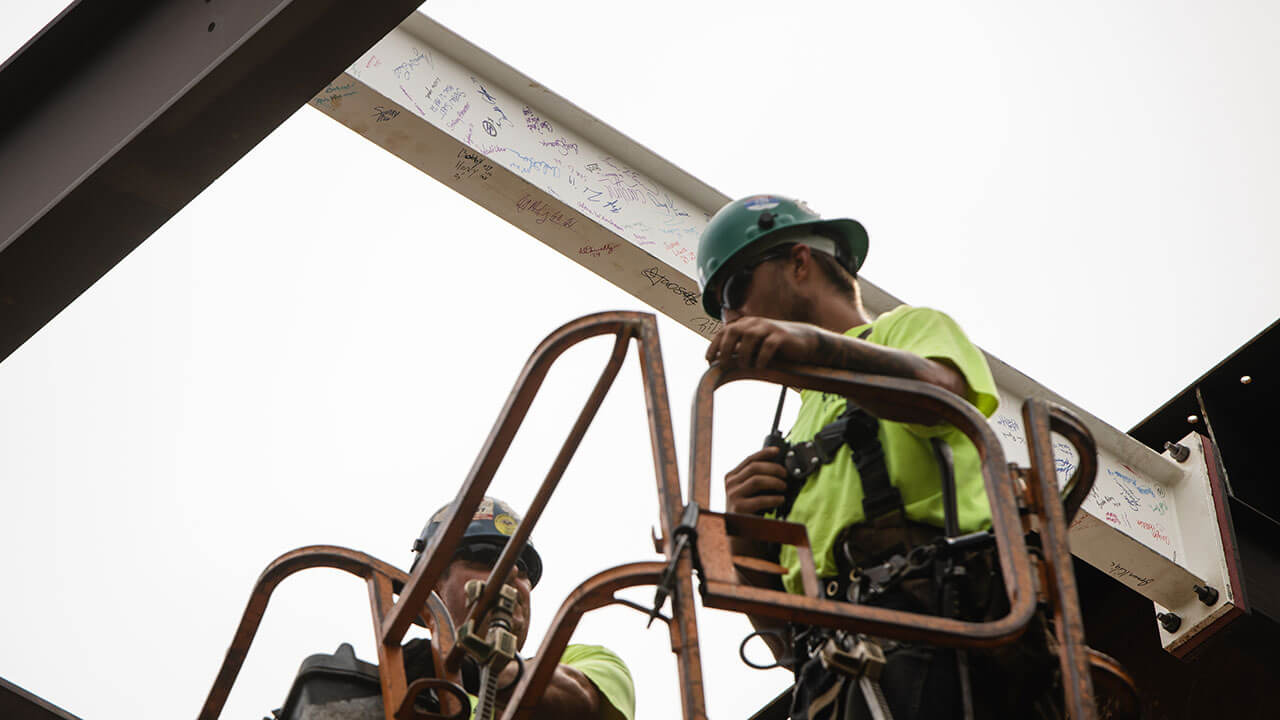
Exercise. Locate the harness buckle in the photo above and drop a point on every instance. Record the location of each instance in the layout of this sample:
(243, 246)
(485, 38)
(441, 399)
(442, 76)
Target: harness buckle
(803, 460)
(853, 655)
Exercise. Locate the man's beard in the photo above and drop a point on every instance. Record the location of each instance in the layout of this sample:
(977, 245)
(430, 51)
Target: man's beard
(798, 308)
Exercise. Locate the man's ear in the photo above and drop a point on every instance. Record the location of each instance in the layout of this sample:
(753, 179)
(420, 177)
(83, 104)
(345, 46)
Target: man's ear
(801, 265)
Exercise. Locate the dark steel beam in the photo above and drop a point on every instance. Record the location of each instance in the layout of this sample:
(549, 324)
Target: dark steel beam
(121, 111)
(18, 704)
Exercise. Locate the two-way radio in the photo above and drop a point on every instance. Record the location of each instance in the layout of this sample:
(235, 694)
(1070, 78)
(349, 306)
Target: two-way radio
(776, 439)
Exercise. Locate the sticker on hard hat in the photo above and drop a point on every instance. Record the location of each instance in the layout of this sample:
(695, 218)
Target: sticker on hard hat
(485, 511)
(505, 524)
(761, 202)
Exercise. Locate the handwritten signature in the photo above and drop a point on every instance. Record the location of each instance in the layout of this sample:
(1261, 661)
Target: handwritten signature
(531, 165)
(1122, 572)
(404, 70)
(605, 249)
(706, 326)
(483, 92)
(335, 93)
(535, 123)
(472, 164)
(681, 252)
(1156, 530)
(1132, 481)
(561, 145)
(656, 278)
(1129, 497)
(544, 212)
(384, 114)
(600, 216)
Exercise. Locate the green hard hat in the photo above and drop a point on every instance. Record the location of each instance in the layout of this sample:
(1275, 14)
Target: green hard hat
(760, 222)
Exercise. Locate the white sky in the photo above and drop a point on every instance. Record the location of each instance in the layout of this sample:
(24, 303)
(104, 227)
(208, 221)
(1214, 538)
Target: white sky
(314, 349)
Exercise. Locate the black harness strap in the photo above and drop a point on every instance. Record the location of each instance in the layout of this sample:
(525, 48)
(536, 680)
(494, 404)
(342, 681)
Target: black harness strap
(860, 430)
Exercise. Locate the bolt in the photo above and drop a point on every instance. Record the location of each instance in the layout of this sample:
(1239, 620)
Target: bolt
(1177, 452)
(1245, 379)
(1207, 594)
(1169, 621)
(1193, 419)
(419, 545)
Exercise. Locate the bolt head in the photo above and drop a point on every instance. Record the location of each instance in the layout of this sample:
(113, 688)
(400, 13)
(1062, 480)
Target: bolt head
(1193, 419)
(1245, 379)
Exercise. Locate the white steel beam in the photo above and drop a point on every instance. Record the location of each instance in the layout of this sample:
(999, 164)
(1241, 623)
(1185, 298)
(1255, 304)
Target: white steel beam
(546, 166)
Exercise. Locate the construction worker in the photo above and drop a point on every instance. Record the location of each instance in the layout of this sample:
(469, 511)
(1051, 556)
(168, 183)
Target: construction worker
(784, 282)
(590, 682)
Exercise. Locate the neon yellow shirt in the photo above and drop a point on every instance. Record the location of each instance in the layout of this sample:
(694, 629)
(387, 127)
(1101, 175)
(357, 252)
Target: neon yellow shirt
(609, 674)
(831, 499)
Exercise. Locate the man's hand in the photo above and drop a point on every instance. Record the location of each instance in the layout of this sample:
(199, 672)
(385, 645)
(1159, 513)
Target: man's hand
(757, 341)
(756, 485)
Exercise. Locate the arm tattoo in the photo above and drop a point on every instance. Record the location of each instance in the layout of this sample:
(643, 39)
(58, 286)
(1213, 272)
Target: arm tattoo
(846, 353)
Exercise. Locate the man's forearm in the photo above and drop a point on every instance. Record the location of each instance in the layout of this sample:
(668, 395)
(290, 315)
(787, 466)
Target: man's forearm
(847, 353)
(569, 695)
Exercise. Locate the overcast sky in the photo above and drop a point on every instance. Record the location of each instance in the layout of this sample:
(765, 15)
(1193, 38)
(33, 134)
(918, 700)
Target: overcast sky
(314, 349)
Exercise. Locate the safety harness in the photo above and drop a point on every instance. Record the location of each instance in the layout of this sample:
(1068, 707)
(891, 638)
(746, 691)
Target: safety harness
(831, 659)
(860, 430)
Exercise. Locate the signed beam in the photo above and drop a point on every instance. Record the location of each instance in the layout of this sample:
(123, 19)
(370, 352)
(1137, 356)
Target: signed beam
(531, 157)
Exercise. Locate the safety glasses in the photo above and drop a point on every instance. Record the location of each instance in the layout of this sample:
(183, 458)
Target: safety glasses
(733, 292)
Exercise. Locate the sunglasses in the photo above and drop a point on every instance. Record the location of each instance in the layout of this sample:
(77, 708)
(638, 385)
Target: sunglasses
(733, 293)
(488, 555)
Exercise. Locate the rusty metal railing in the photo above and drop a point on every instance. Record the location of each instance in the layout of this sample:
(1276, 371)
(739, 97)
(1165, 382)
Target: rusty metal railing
(393, 616)
(1026, 576)
(1023, 576)
(382, 579)
(722, 588)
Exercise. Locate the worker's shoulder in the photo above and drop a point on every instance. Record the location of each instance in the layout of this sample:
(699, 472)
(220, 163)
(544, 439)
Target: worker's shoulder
(578, 654)
(910, 315)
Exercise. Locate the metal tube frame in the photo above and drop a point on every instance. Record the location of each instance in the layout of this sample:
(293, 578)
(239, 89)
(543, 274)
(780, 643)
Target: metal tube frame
(720, 587)
(381, 577)
(393, 617)
(1073, 654)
